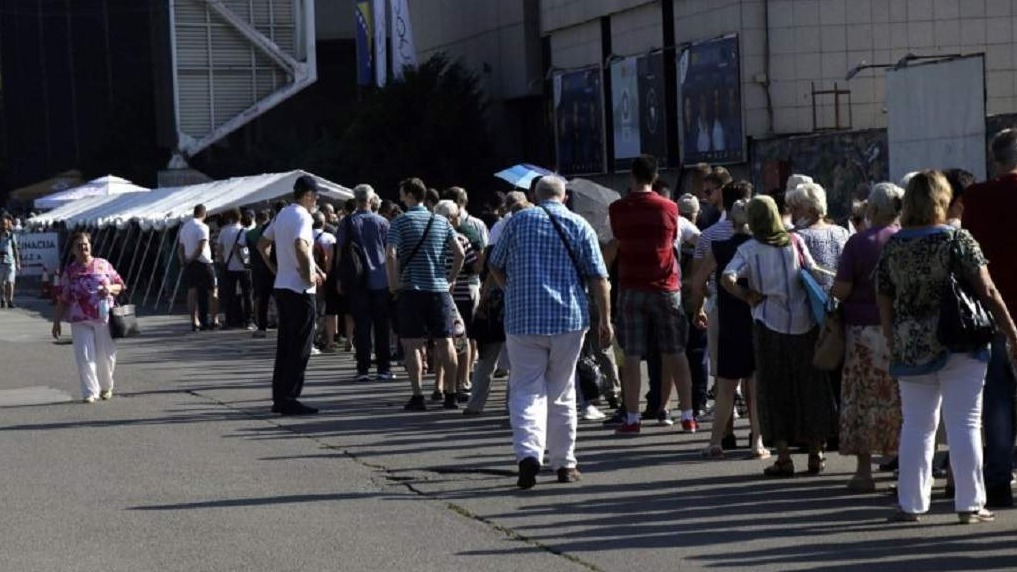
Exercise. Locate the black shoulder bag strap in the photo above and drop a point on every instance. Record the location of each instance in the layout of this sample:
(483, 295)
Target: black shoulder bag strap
(565, 242)
(234, 249)
(404, 266)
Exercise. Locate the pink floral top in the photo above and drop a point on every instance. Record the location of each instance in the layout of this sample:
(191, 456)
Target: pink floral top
(79, 289)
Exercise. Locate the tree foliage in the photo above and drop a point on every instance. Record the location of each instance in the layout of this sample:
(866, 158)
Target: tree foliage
(431, 125)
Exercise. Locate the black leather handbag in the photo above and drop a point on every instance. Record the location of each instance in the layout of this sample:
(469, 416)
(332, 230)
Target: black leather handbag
(123, 322)
(965, 325)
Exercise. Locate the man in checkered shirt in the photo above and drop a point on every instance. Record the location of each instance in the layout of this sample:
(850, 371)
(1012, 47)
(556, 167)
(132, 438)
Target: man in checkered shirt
(544, 259)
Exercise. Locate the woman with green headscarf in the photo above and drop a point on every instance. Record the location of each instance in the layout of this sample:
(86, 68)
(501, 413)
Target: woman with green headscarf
(796, 402)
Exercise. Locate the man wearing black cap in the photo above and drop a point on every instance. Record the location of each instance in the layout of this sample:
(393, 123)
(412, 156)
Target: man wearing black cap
(296, 280)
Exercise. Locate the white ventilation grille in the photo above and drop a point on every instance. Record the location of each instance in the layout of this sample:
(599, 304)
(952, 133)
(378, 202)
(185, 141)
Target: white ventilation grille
(234, 60)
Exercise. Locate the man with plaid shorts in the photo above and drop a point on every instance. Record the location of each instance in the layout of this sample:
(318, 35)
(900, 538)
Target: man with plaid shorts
(645, 227)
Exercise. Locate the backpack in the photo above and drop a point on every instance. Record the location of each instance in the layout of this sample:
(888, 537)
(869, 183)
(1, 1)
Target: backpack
(352, 264)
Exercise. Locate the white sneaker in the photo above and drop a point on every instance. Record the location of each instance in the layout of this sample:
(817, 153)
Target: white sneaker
(90, 399)
(106, 394)
(591, 413)
(315, 351)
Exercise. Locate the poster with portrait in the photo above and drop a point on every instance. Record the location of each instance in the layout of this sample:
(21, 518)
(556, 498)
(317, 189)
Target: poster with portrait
(625, 107)
(652, 111)
(710, 102)
(579, 121)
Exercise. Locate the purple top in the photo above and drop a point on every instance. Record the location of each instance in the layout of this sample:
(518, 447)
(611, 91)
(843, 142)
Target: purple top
(858, 266)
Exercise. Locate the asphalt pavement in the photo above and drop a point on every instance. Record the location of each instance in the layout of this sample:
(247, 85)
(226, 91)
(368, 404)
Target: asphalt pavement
(186, 469)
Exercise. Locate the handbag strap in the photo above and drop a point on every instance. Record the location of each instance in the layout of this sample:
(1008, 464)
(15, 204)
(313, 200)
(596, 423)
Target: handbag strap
(234, 249)
(564, 241)
(420, 243)
(797, 247)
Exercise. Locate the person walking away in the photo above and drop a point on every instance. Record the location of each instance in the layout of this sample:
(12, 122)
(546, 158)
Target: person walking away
(364, 234)
(645, 227)
(870, 416)
(296, 280)
(419, 244)
(910, 278)
(10, 262)
(235, 257)
(86, 292)
(544, 259)
(195, 254)
(986, 208)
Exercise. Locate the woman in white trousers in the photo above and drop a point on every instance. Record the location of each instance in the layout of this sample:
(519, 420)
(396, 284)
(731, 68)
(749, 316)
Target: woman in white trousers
(910, 277)
(86, 294)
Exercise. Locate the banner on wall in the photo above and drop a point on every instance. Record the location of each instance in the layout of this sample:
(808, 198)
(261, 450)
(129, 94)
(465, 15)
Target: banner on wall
(625, 107)
(365, 43)
(652, 111)
(579, 122)
(710, 100)
(379, 16)
(39, 251)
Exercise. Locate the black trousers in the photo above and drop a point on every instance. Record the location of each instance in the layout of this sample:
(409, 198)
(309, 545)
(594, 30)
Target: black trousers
(293, 348)
(370, 309)
(237, 306)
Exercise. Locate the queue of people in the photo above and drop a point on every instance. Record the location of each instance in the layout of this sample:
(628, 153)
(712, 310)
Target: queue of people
(718, 284)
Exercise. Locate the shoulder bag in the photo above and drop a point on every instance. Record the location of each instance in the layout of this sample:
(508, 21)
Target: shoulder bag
(831, 344)
(817, 295)
(352, 263)
(964, 323)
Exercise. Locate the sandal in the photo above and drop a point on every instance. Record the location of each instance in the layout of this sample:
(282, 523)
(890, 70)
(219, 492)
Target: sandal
(763, 453)
(784, 469)
(817, 463)
(712, 452)
(904, 517)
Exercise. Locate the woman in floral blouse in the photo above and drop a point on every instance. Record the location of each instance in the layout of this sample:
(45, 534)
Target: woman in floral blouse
(910, 276)
(89, 284)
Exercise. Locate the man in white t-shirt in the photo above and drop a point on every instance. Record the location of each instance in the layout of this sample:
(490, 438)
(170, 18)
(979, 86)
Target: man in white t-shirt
(195, 256)
(234, 256)
(296, 281)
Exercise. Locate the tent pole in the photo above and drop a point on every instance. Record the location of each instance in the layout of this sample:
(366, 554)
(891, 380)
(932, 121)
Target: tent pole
(176, 288)
(127, 240)
(155, 266)
(104, 243)
(134, 261)
(169, 262)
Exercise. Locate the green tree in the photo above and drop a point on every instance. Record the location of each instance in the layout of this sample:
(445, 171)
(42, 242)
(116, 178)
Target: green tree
(431, 125)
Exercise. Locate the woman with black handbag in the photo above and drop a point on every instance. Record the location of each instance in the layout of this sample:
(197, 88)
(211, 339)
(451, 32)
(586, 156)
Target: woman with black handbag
(937, 302)
(86, 294)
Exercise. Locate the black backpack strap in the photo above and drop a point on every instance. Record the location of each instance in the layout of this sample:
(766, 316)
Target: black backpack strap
(416, 249)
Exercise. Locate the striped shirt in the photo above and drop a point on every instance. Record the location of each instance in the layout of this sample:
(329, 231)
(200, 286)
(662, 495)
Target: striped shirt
(426, 271)
(773, 272)
(544, 293)
(468, 280)
(723, 230)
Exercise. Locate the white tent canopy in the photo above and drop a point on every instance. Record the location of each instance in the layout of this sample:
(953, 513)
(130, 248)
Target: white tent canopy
(101, 187)
(166, 207)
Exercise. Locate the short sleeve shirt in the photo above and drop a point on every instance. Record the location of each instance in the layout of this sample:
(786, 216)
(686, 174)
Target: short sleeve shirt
(645, 225)
(545, 294)
(857, 267)
(913, 270)
(426, 270)
(79, 287)
(988, 209)
(231, 239)
(371, 232)
(291, 224)
(191, 234)
(773, 272)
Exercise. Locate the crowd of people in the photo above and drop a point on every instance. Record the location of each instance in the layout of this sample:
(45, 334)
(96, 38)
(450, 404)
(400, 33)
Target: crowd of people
(721, 283)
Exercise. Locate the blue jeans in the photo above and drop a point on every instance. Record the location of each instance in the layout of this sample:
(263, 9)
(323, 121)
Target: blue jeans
(999, 417)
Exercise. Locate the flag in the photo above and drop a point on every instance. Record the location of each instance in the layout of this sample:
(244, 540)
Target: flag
(404, 54)
(380, 43)
(365, 43)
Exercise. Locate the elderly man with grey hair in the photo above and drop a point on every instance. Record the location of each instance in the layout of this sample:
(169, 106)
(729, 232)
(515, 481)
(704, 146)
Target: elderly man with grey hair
(987, 206)
(473, 227)
(545, 260)
(364, 234)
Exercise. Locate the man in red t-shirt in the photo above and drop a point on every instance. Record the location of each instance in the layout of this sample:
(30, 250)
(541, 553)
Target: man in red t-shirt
(988, 207)
(645, 227)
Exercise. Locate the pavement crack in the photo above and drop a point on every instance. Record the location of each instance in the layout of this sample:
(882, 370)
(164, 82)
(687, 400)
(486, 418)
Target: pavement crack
(409, 482)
